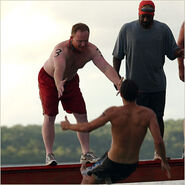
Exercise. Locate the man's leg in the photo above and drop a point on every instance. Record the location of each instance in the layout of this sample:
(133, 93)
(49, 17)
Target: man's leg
(157, 104)
(86, 178)
(48, 134)
(161, 125)
(89, 180)
(82, 136)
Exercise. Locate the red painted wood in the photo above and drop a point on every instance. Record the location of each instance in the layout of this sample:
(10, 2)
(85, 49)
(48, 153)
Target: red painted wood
(70, 173)
(151, 171)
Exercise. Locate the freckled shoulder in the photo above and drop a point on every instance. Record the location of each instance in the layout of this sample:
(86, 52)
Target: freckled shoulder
(92, 47)
(94, 50)
(62, 47)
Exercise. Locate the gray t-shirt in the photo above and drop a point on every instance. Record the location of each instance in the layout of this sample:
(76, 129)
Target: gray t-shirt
(145, 51)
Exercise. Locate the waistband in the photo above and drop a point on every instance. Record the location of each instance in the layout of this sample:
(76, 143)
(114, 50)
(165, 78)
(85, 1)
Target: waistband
(43, 71)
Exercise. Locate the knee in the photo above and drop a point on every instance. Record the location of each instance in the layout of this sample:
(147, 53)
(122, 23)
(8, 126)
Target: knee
(49, 119)
(80, 118)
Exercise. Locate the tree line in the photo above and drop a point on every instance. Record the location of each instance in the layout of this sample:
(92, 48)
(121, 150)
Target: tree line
(24, 145)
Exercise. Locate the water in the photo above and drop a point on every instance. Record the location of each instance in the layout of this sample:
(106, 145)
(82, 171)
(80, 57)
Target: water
(176, 182)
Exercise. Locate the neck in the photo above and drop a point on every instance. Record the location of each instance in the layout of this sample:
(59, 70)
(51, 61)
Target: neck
(72, 47)
(147, 26)
(125, 102)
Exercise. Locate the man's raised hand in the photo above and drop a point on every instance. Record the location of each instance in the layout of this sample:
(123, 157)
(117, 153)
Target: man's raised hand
(65, 124)
(119, 85)
(60, 88)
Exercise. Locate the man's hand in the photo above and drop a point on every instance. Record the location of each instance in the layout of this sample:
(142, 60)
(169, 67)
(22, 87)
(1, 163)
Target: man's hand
(179, 52)
(165, 166)
(119, 85)
(65, 124)
(116, 86)
(60, 87)
(181, 68)
(181, 75)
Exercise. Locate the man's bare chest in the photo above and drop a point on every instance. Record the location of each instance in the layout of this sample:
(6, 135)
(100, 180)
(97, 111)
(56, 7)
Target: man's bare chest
(76, 62)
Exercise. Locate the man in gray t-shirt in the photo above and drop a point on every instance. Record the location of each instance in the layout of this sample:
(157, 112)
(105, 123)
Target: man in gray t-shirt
(145, 42)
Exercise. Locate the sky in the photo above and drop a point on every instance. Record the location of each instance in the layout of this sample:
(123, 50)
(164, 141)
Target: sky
(31, 29)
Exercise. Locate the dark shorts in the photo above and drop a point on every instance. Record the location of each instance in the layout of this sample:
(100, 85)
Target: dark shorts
(106, 168)
(72, 99)
(154, 101)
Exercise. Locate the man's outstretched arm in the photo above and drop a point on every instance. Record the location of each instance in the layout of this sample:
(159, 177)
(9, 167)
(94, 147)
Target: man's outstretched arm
(106, 68)
(86, 127)
(159, 143)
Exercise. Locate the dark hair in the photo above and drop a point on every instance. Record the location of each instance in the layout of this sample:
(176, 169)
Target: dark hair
(79, 26)
(129, 90)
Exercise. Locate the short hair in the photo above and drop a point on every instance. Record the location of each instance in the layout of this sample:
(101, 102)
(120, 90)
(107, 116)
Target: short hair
(129, 90)
(79, 26)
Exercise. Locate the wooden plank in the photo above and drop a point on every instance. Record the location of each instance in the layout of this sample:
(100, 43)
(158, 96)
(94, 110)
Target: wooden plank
(151, 171)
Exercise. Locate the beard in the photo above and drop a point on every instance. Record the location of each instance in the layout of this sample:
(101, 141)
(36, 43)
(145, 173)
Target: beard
(146, 25)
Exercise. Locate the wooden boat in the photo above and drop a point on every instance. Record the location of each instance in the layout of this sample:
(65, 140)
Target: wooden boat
(70, 173)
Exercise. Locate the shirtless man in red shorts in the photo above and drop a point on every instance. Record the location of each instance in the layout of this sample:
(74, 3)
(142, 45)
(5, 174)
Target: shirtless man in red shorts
(59, 81)
(129, 126)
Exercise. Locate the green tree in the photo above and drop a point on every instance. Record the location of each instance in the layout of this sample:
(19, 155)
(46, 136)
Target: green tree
(24, 144)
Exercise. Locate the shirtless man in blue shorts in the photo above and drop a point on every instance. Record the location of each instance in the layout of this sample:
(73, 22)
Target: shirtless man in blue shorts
(129, 126)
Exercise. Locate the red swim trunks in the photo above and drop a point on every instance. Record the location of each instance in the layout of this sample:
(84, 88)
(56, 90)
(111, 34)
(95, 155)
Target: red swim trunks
(72, 99)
